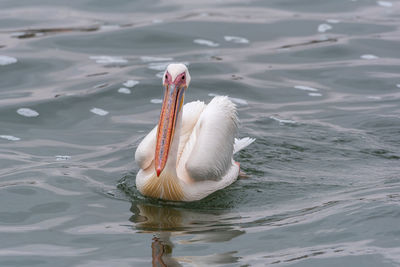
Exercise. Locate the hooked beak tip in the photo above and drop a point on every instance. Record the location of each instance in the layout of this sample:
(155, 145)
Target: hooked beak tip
(158, 170)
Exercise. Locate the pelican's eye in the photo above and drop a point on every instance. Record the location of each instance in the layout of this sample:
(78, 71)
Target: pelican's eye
(183, 77)
(166, 76)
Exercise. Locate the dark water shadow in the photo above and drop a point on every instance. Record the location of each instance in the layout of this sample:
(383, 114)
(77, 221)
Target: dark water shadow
(32, 33)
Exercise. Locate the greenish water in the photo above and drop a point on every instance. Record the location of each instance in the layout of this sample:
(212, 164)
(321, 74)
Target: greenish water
(316, 82)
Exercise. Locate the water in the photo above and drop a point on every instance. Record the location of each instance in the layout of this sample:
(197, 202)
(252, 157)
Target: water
(316, 82)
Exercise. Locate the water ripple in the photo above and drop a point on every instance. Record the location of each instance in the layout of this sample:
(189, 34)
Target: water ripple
(316, 84)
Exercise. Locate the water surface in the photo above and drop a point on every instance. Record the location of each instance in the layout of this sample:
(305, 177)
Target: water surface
(316, 82)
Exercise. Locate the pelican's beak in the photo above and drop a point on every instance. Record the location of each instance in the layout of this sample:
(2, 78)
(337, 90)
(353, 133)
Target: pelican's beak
(172, 104)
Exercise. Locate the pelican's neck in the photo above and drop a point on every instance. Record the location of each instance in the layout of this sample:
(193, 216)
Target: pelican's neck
(171, 164)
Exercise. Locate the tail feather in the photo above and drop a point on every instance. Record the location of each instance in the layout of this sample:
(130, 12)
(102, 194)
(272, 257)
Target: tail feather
(242, 143)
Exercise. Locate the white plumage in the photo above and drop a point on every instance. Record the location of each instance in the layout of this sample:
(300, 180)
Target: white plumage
(200, 159)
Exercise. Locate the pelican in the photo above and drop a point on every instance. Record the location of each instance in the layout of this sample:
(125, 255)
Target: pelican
(189, 154)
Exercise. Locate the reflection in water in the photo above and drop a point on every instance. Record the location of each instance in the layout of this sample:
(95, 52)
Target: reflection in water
(161, 251)
(198, 226)
(154, 218)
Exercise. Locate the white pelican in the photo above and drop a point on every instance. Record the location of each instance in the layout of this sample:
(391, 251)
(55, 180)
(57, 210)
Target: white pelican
(189, 154)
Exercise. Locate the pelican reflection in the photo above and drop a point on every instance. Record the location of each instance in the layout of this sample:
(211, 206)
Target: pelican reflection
(200, 227)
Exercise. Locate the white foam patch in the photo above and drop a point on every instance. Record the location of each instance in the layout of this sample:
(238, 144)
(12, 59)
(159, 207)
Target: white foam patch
(110, 27)
(282, 121)
(147, 59)
(10, 137)
(384, 3)
(109, 60)
(235, 100)
(27, 112)
(398, 85)
(369, 57)
(156, 101)
(124, 90)
(333, 21)
(374, 97)
(205, 42)
(305, 88)
(314, 94)
(130, 83)
(99, 111)
(238, 101)
(236, 39)
(62, 157)
(6, 60)
(155, 21)
(324, 27)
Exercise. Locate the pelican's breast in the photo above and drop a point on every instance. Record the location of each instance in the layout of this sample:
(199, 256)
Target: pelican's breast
(171, 184)
(167, 186)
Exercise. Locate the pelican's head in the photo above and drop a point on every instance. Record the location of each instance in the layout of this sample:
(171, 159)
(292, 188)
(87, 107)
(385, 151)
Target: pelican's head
(176, 73)
(175, 81)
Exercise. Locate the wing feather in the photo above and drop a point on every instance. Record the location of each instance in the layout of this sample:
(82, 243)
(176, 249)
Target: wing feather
(212, 141)
(144, 154)
(242, 143)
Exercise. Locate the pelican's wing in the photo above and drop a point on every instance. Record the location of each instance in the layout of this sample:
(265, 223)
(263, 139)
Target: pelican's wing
(211, 142)
(145, 152)
(190, 116)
